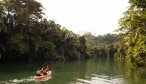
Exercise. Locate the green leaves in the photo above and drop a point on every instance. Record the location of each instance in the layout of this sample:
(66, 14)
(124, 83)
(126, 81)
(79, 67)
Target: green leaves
(133, 25)
(25, 34)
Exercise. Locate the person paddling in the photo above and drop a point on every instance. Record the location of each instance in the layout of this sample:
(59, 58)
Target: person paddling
(38, 73)
(45, 70)
(43, 73)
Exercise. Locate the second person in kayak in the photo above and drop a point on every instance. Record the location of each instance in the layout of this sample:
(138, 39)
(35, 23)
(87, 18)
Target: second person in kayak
(45, 70)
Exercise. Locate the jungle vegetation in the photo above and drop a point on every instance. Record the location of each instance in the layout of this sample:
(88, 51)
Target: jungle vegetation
(108, 45)
(25, 35)
(133, 27)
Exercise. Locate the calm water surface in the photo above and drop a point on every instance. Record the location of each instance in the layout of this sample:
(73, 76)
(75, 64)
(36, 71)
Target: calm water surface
(99, 71)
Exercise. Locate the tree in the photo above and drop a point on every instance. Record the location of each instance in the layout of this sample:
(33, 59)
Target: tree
(133, 25)
(26, 35)
(18, 20)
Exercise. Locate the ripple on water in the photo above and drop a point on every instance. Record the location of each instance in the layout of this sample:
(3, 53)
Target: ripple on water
(101, 79)
(24, 80)
(16, 81)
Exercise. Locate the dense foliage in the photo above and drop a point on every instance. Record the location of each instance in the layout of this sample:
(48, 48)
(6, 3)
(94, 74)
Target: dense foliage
(107, 45)
(133, 26)
(26, 35)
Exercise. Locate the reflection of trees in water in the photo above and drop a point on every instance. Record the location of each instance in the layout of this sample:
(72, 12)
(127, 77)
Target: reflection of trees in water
(135, 75)
(116, 68)
(107, 66)
(72, 71)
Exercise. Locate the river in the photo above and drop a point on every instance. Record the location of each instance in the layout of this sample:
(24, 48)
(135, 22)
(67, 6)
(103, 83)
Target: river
(92, 71)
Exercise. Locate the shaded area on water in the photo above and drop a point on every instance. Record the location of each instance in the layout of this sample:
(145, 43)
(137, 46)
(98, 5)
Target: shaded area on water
(99, 71)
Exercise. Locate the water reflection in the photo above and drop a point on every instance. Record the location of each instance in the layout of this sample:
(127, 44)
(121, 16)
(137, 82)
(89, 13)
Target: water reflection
(103, 72)
(98, 71)
(135, 75)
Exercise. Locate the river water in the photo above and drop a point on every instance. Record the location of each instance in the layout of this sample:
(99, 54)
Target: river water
(92, 71)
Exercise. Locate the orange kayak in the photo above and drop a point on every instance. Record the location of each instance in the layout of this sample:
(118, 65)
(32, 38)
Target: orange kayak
(43, 76)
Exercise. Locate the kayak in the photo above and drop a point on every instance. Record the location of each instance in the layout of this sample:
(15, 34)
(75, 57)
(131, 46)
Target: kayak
(43, 76)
